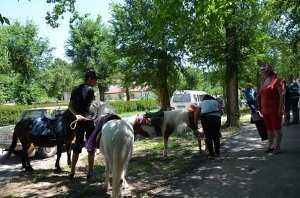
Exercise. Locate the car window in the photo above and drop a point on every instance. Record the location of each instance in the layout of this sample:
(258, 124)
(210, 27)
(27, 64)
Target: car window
(182, 98)
(34, 113)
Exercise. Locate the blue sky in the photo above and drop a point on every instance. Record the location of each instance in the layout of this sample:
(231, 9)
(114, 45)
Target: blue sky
(35, 10)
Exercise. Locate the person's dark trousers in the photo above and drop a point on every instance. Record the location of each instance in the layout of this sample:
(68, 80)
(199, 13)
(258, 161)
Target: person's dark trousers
(211, 128)
(295, 109)
(287, 109)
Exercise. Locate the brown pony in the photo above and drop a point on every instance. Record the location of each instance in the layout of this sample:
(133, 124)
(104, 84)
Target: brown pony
(23, 132)
(167, 122)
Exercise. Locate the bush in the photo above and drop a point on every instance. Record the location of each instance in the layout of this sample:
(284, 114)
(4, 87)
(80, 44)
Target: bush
(10, 114)
(134, 105)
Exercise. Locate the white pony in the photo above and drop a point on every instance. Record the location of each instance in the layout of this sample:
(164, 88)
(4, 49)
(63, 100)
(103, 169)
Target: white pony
(170, 121)
(116, 145)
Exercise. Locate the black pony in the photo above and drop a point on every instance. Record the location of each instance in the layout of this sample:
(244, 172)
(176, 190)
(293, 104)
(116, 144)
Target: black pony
(60, 134)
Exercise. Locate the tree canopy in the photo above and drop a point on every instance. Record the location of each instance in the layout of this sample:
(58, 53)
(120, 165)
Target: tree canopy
(90, 46)
(164, 45)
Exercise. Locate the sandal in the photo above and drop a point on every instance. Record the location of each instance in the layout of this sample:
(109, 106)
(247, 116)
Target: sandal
(276, 151)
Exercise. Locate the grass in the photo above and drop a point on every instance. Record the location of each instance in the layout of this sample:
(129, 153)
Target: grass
(147, 168)
(147, 164)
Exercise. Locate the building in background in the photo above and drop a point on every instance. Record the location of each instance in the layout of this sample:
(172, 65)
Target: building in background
(116, 92)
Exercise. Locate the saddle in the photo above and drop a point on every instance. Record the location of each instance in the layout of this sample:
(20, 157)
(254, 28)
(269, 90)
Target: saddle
(94, 139)
(50, 128)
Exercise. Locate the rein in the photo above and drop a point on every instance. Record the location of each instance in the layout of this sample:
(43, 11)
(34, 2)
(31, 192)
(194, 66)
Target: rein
(73, 124)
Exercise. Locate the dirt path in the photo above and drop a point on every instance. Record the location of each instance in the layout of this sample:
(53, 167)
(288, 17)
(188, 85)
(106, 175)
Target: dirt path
(244, 170)
(44, 182)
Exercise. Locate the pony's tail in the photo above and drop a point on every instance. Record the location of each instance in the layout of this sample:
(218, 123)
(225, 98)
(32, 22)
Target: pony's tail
(11, 149)
(121, 158)
(117, 170)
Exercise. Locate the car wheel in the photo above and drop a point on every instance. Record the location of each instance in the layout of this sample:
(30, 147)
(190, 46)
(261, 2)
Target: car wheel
(46, 152)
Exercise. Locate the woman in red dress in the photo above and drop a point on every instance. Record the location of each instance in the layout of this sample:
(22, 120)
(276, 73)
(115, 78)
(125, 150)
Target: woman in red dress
(271, 105)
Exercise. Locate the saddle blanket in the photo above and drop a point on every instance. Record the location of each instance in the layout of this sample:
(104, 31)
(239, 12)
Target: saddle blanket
(91, 142)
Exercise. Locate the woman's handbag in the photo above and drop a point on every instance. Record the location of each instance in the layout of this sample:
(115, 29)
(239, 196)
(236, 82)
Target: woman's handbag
(260, 125)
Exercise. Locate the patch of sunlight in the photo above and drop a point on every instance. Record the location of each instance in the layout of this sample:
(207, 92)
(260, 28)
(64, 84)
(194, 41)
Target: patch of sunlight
(253, 138)
(204, 168)
(245, 118)
(229, 131)
(196, 177)
(148, 144)
(243, 158)
(239, 149)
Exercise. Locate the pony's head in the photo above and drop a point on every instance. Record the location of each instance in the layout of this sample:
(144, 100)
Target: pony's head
(140, 126)
(193, 117)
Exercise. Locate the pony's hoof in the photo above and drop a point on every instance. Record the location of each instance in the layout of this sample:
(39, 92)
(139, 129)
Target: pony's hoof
(58, 170)
(28, 169)
(71, 175)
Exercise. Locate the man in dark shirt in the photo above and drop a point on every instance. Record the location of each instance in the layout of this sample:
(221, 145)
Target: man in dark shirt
(80, 102)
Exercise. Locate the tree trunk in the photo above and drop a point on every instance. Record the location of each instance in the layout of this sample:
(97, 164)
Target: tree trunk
(164, 97)
(101, 93)
(127, 94)
(232, 62)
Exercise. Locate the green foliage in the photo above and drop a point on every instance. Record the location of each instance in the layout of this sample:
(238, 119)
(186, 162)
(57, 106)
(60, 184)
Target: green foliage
(60, 8)
(288, 13)
(90, 46)
(27, 52)
(134, 105)
(24, 54)
(6, 87)
(146, 36)
(58, 78)
(197, 79)
(10, 114)
(25, 93)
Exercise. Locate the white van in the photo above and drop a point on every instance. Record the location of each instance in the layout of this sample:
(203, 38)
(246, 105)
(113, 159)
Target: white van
(182, 99)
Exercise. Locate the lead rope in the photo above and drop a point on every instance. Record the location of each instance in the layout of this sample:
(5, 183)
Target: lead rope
(73, 124)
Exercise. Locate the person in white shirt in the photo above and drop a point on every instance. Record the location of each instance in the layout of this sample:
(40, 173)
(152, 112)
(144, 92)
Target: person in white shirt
(210, 116)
